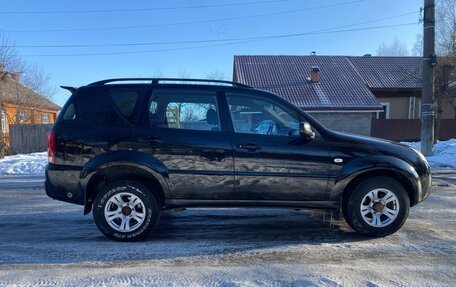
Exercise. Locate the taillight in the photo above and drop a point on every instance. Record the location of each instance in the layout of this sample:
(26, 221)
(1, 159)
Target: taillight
(51, 146)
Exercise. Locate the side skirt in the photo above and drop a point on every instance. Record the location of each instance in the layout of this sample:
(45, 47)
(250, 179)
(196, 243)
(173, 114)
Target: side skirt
(175, 203)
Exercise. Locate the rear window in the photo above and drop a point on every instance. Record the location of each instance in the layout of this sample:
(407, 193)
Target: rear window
(69, 114)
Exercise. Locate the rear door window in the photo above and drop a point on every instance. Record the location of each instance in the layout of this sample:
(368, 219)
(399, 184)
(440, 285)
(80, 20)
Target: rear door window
(189, 110)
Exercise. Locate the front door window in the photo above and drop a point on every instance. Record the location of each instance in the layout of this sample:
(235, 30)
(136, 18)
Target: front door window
(251, 115)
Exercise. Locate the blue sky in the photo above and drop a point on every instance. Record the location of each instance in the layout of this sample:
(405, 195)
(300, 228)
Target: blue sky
(299, 16)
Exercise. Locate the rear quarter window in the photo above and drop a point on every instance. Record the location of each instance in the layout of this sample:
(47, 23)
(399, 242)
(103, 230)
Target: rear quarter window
(126, 102)
(95, 108)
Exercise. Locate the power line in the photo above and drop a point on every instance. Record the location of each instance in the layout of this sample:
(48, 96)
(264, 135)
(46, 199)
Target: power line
(192, 41)
(184, 23)
(144, 9)
(233, 42)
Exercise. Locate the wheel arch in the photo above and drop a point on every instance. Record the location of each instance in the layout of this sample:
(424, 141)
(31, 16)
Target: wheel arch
(126, 165)
(399, 177)
(356, 172)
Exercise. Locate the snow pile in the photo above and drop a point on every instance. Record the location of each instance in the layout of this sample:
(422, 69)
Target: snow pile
(33, 163)
(444, 154)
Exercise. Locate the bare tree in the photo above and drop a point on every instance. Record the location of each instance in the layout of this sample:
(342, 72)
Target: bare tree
(445, 76)
(183, 73)
(22, 85)
(395, 48)
(446, 28)
(38, 81)
(216, 75)
(158, 74)
(9, 59)
(417, 49)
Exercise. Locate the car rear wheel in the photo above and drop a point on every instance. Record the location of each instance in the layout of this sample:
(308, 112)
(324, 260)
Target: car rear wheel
(126, 211)
(378, 206)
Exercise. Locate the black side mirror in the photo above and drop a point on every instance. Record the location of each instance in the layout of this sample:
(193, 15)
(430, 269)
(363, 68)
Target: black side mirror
(305, 130)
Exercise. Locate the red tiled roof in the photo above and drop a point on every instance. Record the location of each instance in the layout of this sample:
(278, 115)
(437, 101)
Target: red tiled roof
(340, 86)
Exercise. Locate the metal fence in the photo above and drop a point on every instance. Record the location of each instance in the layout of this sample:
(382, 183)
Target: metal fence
(409, 130)
(28, 138)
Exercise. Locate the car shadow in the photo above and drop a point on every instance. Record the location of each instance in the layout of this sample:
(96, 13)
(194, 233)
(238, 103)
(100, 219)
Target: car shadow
(68, 237)
(262, 226)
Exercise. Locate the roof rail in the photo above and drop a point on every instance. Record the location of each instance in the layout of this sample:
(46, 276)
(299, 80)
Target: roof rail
(176, 80)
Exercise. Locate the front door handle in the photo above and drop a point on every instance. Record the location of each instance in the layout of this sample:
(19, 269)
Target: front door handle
(248, 147)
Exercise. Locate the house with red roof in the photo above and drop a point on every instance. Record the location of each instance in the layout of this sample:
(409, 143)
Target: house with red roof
(354, 94)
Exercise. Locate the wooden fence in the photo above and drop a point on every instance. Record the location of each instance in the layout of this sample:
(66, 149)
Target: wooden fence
(28, 138)
(409, 130)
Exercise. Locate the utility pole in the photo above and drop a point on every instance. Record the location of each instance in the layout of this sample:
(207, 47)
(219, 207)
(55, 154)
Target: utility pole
(429, 62)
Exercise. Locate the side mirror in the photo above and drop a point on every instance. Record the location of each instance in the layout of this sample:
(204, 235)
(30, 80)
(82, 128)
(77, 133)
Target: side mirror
(305, 130)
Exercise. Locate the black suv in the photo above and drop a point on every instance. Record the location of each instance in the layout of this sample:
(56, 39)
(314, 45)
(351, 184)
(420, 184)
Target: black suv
(130, 148)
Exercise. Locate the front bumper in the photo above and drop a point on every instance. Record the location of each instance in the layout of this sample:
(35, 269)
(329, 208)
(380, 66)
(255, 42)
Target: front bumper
(425, 177)
(62, 183)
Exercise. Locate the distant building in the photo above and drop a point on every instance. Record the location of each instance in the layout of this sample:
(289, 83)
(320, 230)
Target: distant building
(21, 105)
(343, 92)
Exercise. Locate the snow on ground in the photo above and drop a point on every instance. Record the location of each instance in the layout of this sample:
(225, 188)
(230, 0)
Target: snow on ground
(444, 154)
(21, 164)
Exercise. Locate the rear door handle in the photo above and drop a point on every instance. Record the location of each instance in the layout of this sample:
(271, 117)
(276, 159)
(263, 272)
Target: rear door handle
(248, 147)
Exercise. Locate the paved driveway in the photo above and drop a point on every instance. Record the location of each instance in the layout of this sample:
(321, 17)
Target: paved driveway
(45, 242)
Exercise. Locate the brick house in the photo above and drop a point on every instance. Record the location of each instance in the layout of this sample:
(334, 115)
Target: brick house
(21, 105)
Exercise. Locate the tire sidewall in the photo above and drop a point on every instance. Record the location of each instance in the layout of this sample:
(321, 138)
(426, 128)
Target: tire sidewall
(150, 204)
(353, 211)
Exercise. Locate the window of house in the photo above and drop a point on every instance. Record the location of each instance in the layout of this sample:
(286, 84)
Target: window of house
(253, 115)
(22, 117)
(3, 121)
(386, 111)
(419, 109)
(45, 119)
(184, 110)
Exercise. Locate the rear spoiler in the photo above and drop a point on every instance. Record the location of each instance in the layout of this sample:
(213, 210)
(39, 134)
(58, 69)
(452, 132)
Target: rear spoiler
(71, 89)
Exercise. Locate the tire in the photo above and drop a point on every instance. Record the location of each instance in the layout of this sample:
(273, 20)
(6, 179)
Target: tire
(378, 206)
(126, 211)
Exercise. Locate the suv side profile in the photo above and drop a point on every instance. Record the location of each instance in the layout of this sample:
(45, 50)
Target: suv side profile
(130, 148)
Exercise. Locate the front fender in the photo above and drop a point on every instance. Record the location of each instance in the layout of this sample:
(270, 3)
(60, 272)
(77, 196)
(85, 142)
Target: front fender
(375, 165)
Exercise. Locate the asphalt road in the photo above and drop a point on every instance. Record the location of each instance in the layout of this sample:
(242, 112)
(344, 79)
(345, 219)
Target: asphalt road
(46, 243)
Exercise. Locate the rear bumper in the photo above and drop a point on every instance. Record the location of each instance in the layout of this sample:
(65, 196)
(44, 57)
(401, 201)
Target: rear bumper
(62, 183)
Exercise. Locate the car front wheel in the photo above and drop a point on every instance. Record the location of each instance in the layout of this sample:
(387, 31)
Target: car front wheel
(378, 206)
(126, 211)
